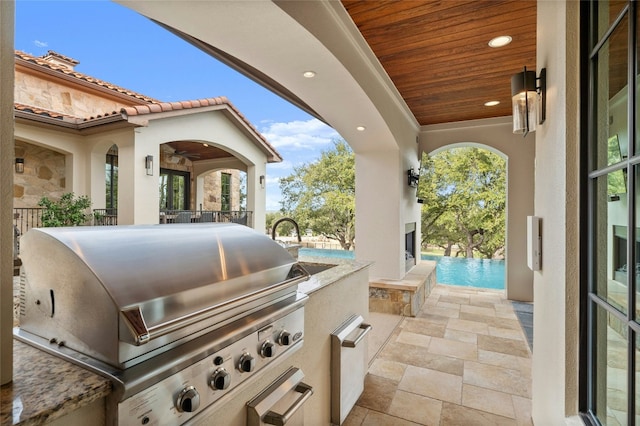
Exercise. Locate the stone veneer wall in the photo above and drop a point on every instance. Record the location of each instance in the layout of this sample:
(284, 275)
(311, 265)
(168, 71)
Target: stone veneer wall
(31, 90)
(44, 174)
(213, 190)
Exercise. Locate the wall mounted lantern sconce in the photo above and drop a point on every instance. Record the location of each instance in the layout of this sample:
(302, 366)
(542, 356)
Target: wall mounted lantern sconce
(529, 100)
(262, 181)
(19, 165)
(412, 178)
(148, 164)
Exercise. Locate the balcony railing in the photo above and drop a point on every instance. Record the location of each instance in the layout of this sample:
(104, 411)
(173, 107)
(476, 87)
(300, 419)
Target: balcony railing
(200, 216)
(25, 218)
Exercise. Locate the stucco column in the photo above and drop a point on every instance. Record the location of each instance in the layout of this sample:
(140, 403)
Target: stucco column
(257, 196)
(138, 199)
(556, 329)
(379, 224)
(6, 190)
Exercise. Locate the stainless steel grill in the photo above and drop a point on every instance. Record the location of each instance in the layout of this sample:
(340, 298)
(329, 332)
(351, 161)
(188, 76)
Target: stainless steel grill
(178, 316)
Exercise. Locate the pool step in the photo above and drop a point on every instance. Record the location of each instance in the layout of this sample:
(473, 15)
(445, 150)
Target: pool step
(405, 296)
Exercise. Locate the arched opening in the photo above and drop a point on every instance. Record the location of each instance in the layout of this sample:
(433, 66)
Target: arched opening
(463, 191)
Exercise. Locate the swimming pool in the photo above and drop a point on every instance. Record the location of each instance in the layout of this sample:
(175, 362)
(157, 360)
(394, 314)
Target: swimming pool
(460, 271)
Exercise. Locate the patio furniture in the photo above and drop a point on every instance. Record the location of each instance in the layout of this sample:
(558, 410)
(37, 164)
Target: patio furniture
(183, 217)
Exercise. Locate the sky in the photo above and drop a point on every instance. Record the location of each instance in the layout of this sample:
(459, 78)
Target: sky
(117, 45)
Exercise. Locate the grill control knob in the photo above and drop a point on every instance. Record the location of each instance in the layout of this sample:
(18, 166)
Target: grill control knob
(220, 379)
(268, 349)
(246, 363)
(188, 400)
(284, 338)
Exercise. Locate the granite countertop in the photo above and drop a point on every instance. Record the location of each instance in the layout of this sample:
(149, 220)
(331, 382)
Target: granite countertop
(342, 268)
(46, 387)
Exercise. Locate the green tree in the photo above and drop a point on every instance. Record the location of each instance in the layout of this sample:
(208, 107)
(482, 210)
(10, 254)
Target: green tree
(464, 193)
(321, 195)
(68, 211)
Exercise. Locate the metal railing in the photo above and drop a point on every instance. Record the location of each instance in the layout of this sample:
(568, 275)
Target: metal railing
(25, 218)
(200, 216)
(105, 217)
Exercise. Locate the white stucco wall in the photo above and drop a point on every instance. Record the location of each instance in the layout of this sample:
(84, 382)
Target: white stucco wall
(556, 286)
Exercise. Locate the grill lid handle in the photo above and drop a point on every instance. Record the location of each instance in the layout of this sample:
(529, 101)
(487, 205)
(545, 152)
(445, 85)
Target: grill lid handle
(135, 321)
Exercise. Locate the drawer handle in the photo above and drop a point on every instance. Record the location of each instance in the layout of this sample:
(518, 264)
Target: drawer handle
(353, 343)
(277, 419)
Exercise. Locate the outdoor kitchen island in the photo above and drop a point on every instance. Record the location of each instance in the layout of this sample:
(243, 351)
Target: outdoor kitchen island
(70, 395)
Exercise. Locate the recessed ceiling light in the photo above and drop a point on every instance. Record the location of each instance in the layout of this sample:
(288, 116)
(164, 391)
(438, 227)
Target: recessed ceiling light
(205, 145)
(360, 128)
(491, 103)
(309, 74)
(500, 41)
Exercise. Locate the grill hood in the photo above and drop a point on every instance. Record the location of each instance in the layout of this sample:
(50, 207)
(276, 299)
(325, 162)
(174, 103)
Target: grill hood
(123, 294)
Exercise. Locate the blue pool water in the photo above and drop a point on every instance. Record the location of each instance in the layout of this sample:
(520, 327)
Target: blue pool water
(480, 273)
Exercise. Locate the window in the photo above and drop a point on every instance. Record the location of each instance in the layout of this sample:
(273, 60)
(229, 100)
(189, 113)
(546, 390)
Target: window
(609, 384)
(111, 170)
(174, 190)
(225, 192)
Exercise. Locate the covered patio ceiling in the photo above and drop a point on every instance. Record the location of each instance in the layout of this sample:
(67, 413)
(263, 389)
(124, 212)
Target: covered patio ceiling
(418, 62)
(437, 52)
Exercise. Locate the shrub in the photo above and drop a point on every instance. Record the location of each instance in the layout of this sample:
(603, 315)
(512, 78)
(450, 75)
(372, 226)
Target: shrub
(68, 211)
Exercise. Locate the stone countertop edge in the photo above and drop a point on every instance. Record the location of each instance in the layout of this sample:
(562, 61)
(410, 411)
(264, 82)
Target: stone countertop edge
(46, 387)
(343, 268)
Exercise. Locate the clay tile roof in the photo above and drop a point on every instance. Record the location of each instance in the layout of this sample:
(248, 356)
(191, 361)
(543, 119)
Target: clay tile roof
(198, 103)
(106, 114)
(61, 69)
(61, 56)
(42, 111)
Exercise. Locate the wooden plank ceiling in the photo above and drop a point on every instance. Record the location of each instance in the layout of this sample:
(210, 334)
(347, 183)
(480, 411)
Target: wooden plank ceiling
(437, 53)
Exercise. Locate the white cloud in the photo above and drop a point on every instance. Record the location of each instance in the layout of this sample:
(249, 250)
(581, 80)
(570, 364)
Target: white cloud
(284, 165)
(39, 43)
(299, 134)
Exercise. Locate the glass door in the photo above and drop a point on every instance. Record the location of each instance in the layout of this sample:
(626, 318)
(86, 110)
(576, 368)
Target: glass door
(174, 190)
(612, 269)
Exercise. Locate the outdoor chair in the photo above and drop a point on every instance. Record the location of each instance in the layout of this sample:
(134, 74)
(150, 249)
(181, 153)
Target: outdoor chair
(183, 217)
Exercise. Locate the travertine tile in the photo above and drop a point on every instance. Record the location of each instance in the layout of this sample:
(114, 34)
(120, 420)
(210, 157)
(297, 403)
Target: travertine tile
(466, 325)
(416, 408)
(462, 299)
(420, 357)
(522, 407)
(421, 326)
(507, 333)
(497, 378)
(461, 336)
(502, 345)
(356, 416)
(491, 401)
(457, 415)
(491, 320)
(432, 383)
(453, 348)
(463, 360)
(388, 369)
(502, 360)
(413, 339)
(444, 312)
(375, 418)
(447, 305)
(378, 393)
(489, 312)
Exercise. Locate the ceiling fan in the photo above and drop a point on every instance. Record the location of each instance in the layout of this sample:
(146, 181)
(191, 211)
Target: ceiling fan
(187, 154)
